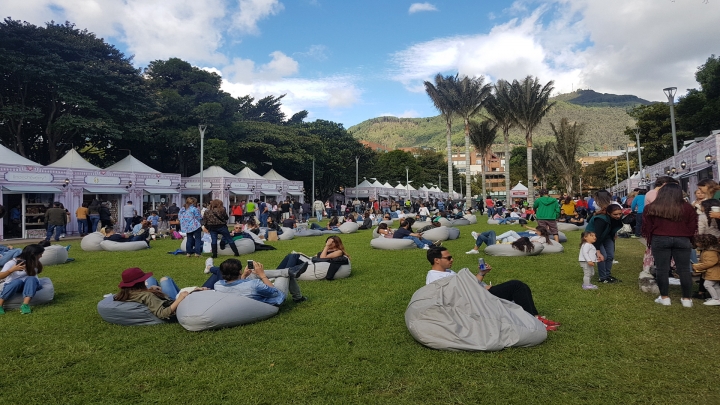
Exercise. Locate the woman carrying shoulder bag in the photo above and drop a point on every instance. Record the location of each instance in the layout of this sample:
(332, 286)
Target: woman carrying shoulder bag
(669, 224)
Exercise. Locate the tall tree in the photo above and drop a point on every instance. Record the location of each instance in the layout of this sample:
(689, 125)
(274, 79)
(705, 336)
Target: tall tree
(544, 162)
(567, 143)
(529, 101)
(468, 98)
(61, 85)
(440, 95)
(482, 136)
(498, 108)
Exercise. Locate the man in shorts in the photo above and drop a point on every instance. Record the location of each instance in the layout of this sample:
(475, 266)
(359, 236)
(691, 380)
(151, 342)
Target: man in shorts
(547, 210)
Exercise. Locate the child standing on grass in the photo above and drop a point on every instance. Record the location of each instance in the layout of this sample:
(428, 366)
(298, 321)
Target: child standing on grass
(709, 265)
(587, 258)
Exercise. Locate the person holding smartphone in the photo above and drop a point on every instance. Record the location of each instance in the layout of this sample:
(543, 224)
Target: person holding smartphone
(20, 275)
(253, 281)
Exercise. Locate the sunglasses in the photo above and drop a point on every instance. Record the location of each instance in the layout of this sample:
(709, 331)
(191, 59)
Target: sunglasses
(446, 257)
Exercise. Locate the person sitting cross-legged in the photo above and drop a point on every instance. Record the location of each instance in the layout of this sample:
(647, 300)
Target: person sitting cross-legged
(513, 290)
(254, 283)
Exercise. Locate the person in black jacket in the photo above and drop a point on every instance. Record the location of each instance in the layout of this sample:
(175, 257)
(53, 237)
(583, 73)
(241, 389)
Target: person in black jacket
(367, 222)
(105, 216)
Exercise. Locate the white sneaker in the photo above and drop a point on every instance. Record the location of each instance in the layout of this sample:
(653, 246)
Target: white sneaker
(472, 252)
(686, 303)
(615, 262)
(426, 247)
(663, 301)
(474, 234)
(208, 263)
(711, 302)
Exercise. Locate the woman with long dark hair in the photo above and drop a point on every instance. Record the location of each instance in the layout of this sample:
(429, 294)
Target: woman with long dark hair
(334, 253)
(669, 223)
(20, 275)
(215, 222)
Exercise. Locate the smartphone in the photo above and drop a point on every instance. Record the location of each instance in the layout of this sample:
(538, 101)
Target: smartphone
(20, 262)
(251, 265)
(481, 263)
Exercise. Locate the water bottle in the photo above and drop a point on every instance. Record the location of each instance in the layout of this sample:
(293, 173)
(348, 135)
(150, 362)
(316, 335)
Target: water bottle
(481, 264)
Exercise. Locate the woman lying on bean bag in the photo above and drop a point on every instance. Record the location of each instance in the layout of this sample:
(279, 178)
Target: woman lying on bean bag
(331, 226)
(162, 304)
(334, 253)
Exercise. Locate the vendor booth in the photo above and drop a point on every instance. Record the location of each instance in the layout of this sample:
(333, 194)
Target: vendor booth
(518, 193)
(156, 189)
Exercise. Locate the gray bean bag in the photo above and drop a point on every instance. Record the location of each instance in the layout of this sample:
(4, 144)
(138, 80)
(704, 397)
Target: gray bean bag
(438, 233)
(329, 232)
(554, 248)
(420, 224)
(307, 232)
(349, 227)
(457, 313)
(453, 233)
(203, 310)
(460, 222)
(318, 271)
(392, 244)
(444, 221)
(91, 242)
(288, 233)
(493, 222)
(471, 218)
(375, 233)
(564, 226)
(245, 247)
(126, 313)
(43, 296)
(562, 237)
(506, 249)
(53, 255)
(123, 246)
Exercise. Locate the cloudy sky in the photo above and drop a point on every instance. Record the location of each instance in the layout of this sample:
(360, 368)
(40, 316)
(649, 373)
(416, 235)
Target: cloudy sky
(348, 61)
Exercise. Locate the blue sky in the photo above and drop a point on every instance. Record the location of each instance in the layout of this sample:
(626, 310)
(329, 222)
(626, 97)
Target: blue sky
(348, 61)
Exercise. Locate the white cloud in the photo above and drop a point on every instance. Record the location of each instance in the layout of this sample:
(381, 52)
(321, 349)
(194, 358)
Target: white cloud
(317, 52)
(404, 114)
(617, 46)
(244, 71)
(417, 7)
(252, 11)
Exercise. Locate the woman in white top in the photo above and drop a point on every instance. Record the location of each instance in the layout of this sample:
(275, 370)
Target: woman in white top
(20, 275)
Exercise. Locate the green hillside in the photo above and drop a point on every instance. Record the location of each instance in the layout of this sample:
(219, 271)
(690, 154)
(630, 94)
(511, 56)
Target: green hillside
(604, 116)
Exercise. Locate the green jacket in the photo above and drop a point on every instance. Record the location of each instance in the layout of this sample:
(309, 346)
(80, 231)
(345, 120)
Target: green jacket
(546, 208)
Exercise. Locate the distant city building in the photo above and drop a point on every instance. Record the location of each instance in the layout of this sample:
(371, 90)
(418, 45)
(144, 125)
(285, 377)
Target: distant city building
(495, 170)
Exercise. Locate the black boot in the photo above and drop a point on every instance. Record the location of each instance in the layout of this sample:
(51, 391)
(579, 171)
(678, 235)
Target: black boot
(234, 249)
(214, 251)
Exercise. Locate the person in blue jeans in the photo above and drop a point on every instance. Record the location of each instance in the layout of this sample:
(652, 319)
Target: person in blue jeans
(488, 238)
(638, 206)
(20, 275)
(404, 232)
(7, 253)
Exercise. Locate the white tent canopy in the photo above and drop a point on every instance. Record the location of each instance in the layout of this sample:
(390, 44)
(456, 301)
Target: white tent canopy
(377, 184)
(519, 190)
(246, 173)
(387, 185)
(131, 164)
(273, 175)
(214, 171)
(365, 184)
(73, 160)
(9, 157)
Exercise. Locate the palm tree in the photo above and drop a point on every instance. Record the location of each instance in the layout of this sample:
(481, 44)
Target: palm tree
(544, 162)
(441, 98)
(498, 110)
(567, 143)
(482, 136)
(529, 102)
(468, 98)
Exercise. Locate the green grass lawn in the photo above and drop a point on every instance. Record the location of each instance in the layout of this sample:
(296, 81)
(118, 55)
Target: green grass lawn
(349, 344)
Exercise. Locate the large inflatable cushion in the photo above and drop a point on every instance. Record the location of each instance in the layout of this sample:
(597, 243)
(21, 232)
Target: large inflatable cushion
(126, 313)
(506, 249)
(318, 271)
(441, 233)
(471, 218)
(460, 222)
(392, 244)
(203, 310)
(43, 296)
(453, 233)
(91, 242)
(288, 233)
(554, 248)
(54, 254)
(123, 246)
(349, 227)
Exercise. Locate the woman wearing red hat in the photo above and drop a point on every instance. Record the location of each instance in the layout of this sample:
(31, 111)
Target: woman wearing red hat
(133, 288)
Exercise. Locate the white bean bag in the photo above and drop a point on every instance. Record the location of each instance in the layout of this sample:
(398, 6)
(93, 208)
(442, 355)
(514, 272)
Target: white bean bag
(420, 224)
(506, 249)
(392, 244)
(203, 310)
(123, 246)
(438, 233)
(562, 237)
(453, 233)
(126, 313)
(349, 227)
(457, 313)
(91, 242)
(43, 296)
(288, 233)
(444, 221)
(318, 271)
(206, 245)
(554, 248)
(375, 233)
(460, 222)
(471, 218)
(564, 226)
(53, 255)
(244, 246)
(493, 222)
(307, 232)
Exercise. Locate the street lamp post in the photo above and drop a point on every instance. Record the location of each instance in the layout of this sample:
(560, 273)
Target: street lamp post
(407, 183)
(627, 157)
(670, 93)
(637, 144)
(357, 160)
(202, 129)
(616, 175)
(312, 197)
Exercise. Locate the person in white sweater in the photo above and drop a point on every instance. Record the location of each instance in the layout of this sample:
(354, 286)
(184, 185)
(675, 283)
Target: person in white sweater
(587, 258)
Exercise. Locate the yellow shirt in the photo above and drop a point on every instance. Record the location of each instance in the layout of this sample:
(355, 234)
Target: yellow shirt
(568, 209)
(81, 213)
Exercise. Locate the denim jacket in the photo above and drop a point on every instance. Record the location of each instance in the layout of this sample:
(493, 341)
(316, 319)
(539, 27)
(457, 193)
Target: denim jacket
(252, 288)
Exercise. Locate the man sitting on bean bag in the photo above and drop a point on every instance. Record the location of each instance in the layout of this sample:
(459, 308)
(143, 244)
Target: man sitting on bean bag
(112, 236)
(404, 232)
(254, 283)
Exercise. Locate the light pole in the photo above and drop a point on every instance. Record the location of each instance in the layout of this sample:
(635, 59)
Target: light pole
(627, 157)
(357, 160)
(670, 93)
(312, 197)
(202, 129)
(637, 144)
(439, 183)
(616, 174)
(407, 183)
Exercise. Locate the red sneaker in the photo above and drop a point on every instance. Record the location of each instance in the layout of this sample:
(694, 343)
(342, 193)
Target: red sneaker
(551, 328)
(547, 321)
